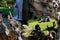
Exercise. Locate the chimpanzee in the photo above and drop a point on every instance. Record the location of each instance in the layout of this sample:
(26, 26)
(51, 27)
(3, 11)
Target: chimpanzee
(52, 28)
(33, 35)
(52, 31)
(37, 34)
(51, 35)
(37, 28)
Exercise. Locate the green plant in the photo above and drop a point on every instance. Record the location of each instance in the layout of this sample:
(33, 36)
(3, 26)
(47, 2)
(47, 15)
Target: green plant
(4, 3)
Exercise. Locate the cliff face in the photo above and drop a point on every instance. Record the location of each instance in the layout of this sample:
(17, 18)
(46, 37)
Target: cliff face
(41, 7)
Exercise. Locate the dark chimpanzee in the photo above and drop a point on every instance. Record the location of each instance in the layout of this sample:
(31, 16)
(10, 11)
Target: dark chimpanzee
(37, 28)
(52, 31)
(37, 33)
(51, 28)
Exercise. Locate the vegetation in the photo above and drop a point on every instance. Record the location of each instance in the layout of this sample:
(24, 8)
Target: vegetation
(4, 3)
(6, 10)
(43, 26)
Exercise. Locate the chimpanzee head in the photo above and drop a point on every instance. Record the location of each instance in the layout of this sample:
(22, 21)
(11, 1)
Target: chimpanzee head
(37, 27)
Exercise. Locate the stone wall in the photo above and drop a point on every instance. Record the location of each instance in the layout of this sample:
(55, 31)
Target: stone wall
(40, 7)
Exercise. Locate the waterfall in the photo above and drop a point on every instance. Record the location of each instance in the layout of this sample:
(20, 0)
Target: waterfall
(19, 4)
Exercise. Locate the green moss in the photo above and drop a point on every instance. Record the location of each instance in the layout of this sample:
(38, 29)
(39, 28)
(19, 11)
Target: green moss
(43, 25)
